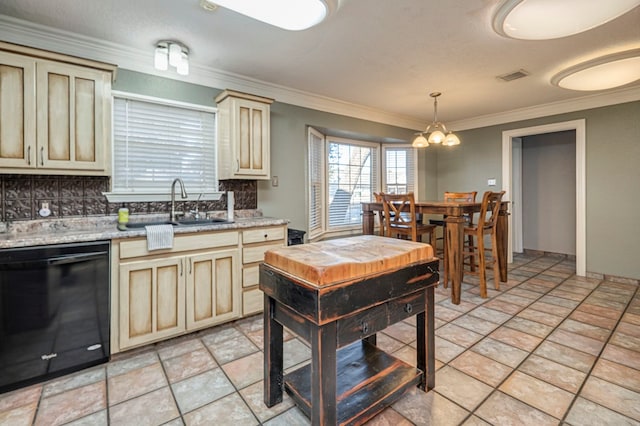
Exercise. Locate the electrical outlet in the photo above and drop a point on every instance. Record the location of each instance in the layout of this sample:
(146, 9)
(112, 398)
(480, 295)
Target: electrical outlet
(274, 181)
(44, 209)
(491, 182)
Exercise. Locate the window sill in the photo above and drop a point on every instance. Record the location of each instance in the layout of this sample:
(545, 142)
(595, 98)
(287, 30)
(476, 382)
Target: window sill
(132, 197)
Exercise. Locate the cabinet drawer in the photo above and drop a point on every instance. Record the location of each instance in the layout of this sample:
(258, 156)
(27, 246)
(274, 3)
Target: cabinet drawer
(252, 302)
(250, 276)
(263, 234)
(200, 241)
(256, 253)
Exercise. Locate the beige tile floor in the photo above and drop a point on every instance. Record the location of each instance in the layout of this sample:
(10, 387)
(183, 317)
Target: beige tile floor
(548, 348)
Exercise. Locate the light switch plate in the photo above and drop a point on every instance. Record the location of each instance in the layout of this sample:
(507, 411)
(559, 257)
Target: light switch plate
(491, 182)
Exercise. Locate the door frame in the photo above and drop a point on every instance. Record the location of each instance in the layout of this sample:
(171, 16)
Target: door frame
(507, 176)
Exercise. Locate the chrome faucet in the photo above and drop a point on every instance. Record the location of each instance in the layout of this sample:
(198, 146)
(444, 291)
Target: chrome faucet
(183, 194)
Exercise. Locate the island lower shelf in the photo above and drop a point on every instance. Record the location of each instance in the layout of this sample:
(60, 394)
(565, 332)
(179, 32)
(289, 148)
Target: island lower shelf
(368, 380)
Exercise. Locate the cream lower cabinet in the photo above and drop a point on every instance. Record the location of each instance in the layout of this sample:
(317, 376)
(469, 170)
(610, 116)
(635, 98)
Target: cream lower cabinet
(165, 293)
(255, 242)
(152, 300)
(212, 295)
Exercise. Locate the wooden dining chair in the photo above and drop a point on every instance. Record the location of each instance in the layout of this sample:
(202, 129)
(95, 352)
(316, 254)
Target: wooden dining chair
(453, 197)
(400, 218)
(475, 249)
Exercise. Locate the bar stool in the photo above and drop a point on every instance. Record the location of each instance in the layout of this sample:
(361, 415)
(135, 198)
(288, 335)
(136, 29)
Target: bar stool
(475, 249)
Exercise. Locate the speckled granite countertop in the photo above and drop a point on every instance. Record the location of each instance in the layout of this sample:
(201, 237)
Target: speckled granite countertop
(72, 230)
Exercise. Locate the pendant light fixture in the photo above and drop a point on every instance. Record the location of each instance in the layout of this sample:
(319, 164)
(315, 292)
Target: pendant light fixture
(436, 132)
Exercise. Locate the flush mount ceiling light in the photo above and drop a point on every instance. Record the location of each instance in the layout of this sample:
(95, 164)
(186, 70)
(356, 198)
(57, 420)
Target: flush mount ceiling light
(291, 15)
(548, 19)
(601, 73)
(171, 53)
(436, 132)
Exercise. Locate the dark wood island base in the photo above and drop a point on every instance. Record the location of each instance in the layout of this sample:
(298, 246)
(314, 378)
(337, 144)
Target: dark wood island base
(336, 295)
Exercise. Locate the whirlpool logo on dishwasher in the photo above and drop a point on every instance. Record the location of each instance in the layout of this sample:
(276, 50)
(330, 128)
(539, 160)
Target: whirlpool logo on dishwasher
(48, 356)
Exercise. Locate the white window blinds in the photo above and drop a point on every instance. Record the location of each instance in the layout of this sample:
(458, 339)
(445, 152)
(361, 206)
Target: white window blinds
(400, 169)
(316, 182)
(155, 143)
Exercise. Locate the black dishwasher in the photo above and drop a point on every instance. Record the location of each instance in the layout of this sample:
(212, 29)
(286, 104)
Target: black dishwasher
(54, 311)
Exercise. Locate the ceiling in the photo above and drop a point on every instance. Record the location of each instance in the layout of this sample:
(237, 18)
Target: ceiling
(375, 59)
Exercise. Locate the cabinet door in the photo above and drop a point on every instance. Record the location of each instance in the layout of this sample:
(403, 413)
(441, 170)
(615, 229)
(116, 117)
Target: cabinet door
(72, 118)
(151, 300)
(213, 288)
(252, 138)
(17, 111)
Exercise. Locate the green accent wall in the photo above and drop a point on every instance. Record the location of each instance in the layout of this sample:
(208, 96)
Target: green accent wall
(612, 179)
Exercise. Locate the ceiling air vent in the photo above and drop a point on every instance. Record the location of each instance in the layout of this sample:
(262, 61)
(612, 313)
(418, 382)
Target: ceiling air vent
(513, 75)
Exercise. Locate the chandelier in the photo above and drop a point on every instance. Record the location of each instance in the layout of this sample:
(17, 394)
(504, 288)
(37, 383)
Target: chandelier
(436, 132)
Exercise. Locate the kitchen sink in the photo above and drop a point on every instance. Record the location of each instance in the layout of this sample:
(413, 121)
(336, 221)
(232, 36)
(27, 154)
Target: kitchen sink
(192, 222)
(182, 222)
(135, 225)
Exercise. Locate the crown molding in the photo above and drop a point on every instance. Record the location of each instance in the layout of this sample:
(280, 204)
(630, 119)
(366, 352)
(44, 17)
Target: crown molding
(614, 97)
(43, 37)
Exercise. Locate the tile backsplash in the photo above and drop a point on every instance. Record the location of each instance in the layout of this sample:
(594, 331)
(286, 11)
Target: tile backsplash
(76, 196)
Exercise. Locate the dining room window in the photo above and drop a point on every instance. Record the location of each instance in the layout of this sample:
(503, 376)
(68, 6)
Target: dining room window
(344, 172)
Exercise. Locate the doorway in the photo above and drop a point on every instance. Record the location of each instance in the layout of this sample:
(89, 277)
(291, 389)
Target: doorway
(511, 178)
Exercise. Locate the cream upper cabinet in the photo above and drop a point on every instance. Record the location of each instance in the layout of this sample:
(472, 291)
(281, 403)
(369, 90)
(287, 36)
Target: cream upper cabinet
(17, 110)
(243, 136)
(55, 117)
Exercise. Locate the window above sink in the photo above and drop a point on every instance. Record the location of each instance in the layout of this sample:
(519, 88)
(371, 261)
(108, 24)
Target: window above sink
(156, 140)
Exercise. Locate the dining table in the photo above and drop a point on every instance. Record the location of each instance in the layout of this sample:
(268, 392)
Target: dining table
(453, 214)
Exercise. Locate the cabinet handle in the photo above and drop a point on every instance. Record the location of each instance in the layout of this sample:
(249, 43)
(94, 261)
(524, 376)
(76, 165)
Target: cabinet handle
(190, 265)
(364, 327)
(237, 165)
(181, 266)
(408, 308)
(29, 155)
(42, 155)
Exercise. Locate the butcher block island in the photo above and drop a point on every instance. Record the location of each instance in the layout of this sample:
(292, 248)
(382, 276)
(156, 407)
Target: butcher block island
(337, 295)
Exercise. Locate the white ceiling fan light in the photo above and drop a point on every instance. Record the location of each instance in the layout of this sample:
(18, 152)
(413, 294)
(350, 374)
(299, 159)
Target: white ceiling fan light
(605, 72)
(549, 19)
(293, 15)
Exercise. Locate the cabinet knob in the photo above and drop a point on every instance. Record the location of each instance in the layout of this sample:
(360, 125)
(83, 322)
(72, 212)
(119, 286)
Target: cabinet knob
(266, 236)
(364, 327)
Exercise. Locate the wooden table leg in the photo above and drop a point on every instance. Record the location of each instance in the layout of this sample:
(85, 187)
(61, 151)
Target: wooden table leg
(502, 230)
(367, 222)
(273, 359)
(455, 245)
(323, 375)
(425, 330)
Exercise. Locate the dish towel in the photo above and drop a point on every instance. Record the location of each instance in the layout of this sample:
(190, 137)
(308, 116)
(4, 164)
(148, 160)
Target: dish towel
(159, 237)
